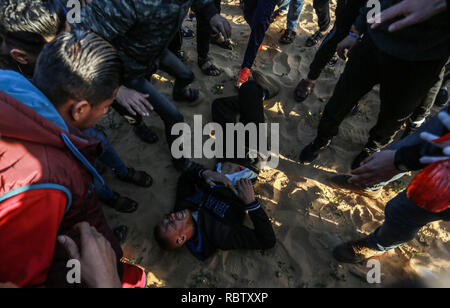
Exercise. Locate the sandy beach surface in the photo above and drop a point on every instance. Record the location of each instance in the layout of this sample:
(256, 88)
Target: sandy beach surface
(309, 217)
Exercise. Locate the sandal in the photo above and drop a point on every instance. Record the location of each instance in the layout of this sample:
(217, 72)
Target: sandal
(303, 90)
(146, 134)
(208, 68)
(314, 39)
(278, 14)
(121, 234)
(139, 178)
(288, 37)
(122, 204)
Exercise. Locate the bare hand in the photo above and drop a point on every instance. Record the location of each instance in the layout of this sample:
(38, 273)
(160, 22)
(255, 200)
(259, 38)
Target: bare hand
(213, 178)
(412, 11)
(246, 191)
(134, 101)
(221, 25)
(345, 46)
(97, 258)
(376, 169)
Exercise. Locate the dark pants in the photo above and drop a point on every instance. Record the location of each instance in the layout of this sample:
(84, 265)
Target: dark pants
(163, 107)
(424, 109)
(402, 86)
(257, 14)
(403, 221)
(322, 8)
(346, 14)
(246, 108)
(204, 32)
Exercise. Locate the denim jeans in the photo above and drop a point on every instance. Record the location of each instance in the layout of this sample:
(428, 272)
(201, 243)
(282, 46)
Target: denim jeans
(109, 158)
(403, 221)
(162, 106)
(294, 9)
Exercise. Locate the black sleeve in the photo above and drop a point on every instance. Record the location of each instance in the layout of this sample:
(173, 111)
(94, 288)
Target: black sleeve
(261, 237)
(410, 156)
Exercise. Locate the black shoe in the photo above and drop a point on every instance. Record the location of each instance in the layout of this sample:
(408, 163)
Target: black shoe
(360, 158)
(442, 98)
(312, 151)
(354, 252)
(122, 204)
(146, 134)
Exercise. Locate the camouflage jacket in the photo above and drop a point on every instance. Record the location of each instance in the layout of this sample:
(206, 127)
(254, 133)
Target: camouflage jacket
(139, 29)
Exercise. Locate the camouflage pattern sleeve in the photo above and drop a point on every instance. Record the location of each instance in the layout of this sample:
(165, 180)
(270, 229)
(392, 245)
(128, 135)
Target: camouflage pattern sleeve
(108, 18)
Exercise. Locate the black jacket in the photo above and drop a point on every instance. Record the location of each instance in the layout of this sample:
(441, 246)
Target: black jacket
(220, 218)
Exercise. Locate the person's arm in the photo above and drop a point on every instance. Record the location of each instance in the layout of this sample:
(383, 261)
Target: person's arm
(29, 224)
(108, 19)
(262, 236)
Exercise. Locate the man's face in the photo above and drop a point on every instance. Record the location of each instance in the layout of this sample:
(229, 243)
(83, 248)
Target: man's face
(173, 227)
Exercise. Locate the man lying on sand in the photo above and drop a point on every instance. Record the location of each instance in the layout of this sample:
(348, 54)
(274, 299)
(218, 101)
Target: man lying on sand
(211, 205)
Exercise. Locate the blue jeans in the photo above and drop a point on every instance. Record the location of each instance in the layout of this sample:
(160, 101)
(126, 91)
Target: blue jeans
(433, 126)
(109, 158)
(403, 221)
(294, 9)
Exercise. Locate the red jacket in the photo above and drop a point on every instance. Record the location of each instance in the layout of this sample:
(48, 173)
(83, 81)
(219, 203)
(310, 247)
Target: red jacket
(40, 177)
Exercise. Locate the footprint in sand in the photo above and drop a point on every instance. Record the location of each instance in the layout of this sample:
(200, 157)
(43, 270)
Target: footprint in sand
(281, 65)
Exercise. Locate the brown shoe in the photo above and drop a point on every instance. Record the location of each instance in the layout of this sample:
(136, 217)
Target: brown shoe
(303, 90)
(355, 252)
(341, 182)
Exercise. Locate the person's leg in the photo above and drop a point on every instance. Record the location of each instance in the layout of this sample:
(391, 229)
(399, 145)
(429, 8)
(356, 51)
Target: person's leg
(170, 64)
(403, 84)
(424, 109)
(322, 8)
(293, 17)
(249, 10)
(162, 106)
(260, 22)
(403, 221)
(109, 156)
(283, 6)
(346, 14)
(361, 74)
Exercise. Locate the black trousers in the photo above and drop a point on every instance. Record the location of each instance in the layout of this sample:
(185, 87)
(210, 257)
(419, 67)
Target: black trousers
(322, 8)
(246, 108)
(402, 86)
(346, 13)
(204, 32)
(424, 109)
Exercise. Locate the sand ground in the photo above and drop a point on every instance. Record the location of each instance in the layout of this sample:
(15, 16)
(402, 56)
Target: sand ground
(308, 216)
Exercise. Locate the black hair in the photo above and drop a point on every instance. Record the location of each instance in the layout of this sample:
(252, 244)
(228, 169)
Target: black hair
(26, 24)
(79, 66)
